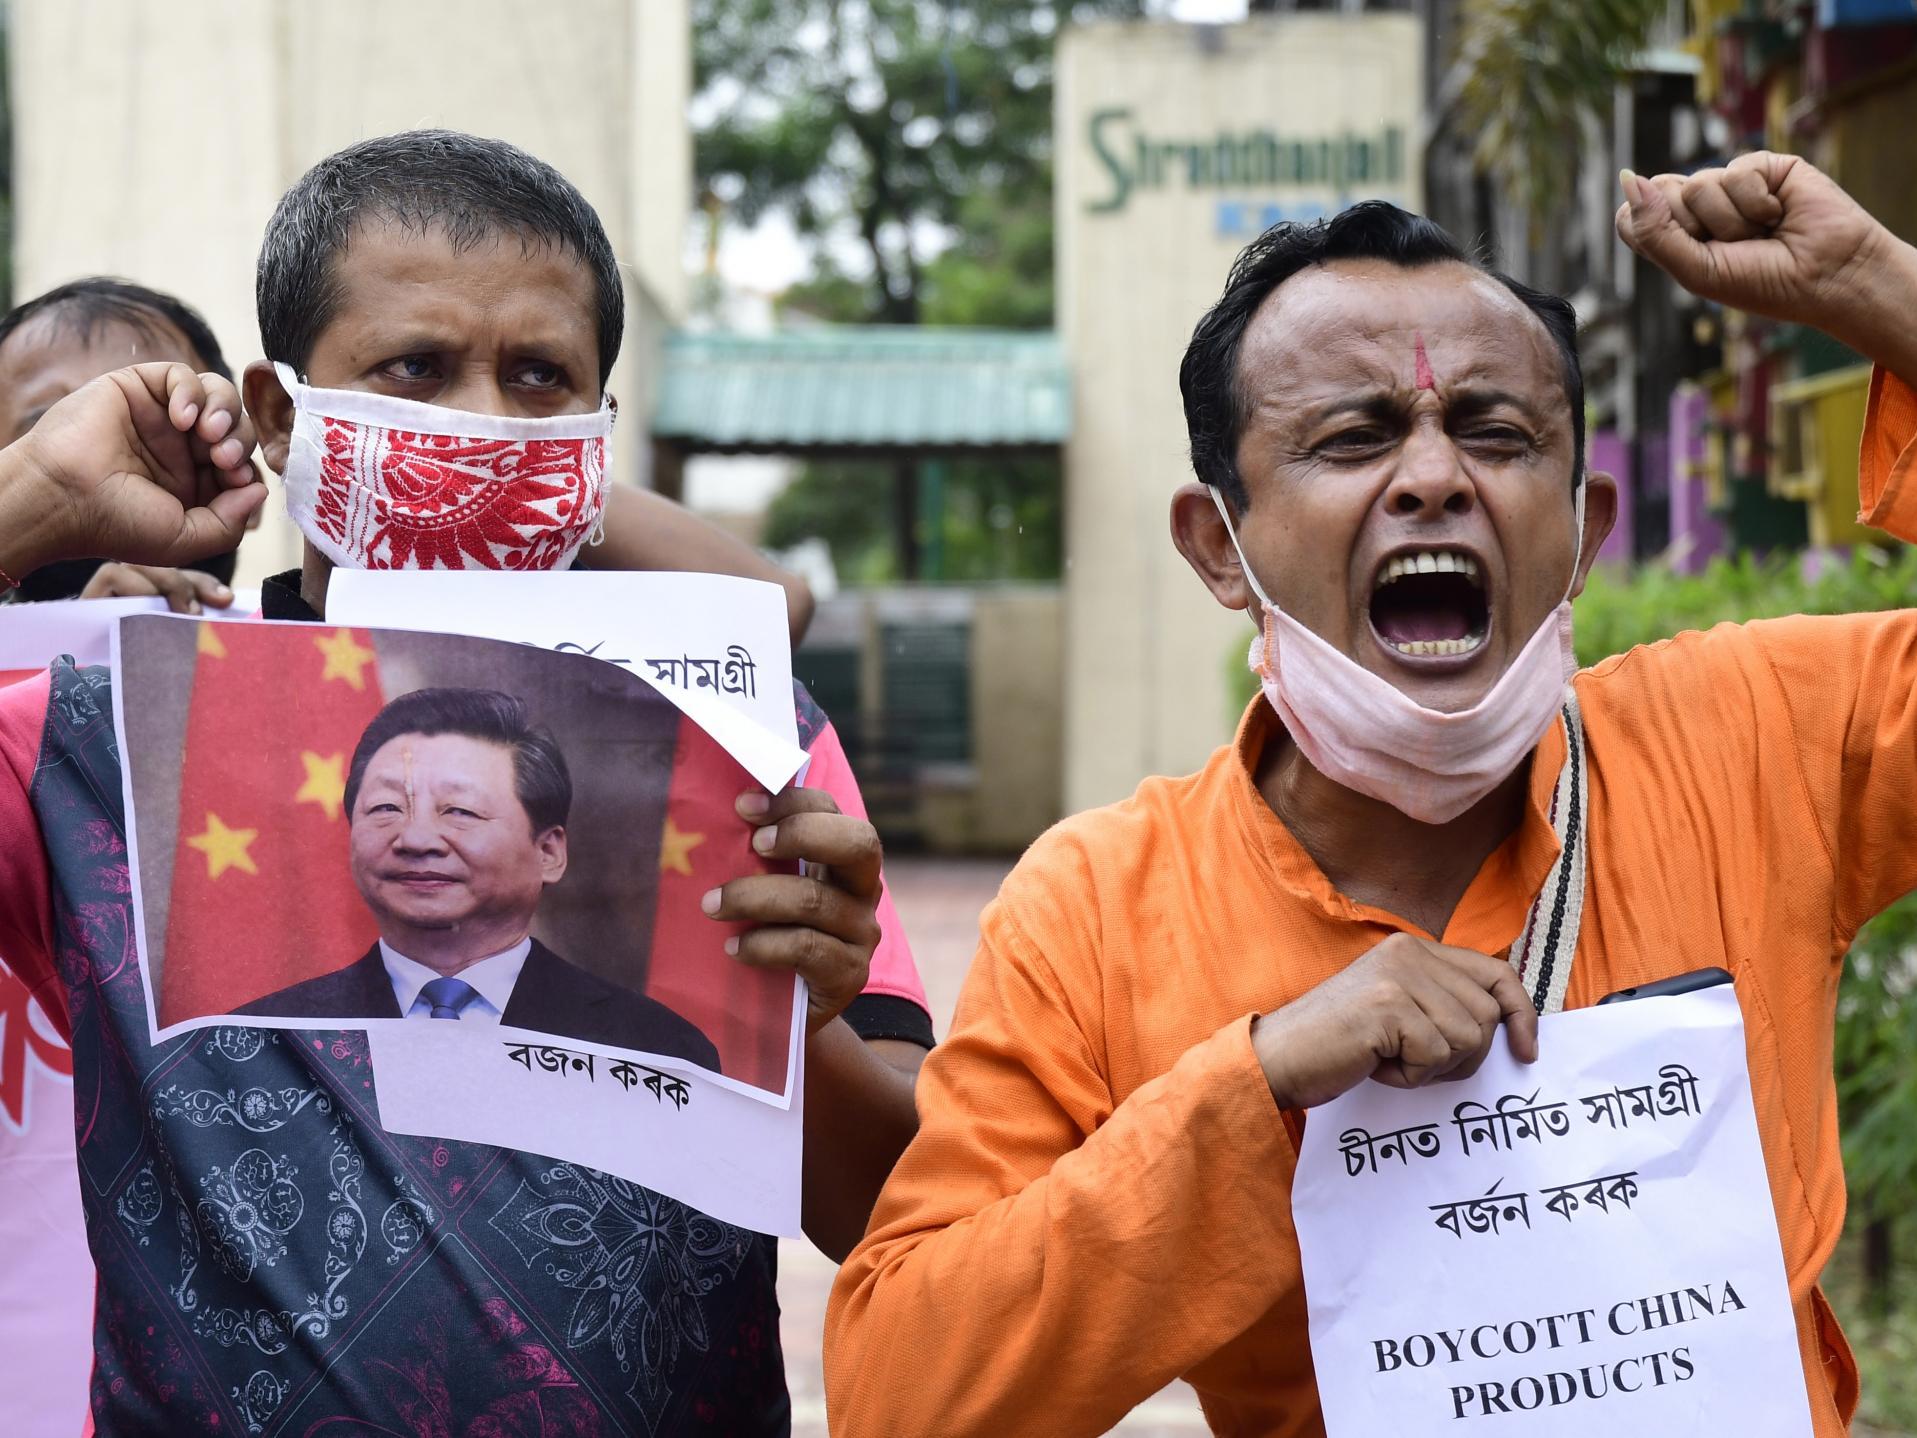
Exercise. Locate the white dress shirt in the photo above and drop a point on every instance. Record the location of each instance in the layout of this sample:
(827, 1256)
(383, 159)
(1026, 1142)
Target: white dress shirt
(493, 977)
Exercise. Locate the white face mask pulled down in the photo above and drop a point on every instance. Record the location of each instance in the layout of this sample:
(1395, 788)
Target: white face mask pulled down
(1362, 731)
(376, 482)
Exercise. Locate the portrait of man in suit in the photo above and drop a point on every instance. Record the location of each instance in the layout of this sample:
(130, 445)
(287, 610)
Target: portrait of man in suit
(457, 805)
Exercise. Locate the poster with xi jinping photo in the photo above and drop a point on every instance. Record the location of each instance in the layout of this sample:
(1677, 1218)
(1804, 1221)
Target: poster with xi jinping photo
(340, 828)
(490, 857)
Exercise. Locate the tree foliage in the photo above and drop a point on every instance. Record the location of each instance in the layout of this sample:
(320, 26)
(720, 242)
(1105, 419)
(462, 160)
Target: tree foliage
(1530, 72)
(910, 141)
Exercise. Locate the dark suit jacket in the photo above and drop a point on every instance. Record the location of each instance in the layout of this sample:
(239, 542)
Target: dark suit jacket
(551, 996)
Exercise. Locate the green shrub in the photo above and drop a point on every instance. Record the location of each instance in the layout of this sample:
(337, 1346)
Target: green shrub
(1619, 611)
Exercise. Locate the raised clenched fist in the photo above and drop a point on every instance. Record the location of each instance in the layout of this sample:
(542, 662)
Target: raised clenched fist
(147, 464)
(1774, 235)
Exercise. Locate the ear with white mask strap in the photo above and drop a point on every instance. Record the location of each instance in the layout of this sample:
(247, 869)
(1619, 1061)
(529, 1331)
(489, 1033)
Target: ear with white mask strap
(1577, 555)
(1218, 498)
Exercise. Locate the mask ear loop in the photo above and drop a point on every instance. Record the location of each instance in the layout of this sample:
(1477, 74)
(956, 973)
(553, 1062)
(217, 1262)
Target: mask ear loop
(598, 535)
(1577, 557)
(1258, 589)
(290, 380)
(295, 386)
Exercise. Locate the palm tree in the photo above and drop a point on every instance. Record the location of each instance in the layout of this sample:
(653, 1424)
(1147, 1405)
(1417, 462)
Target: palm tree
(1528, 73)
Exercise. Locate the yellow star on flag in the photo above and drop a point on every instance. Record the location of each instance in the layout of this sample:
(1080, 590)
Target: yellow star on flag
(346, 657)
(224, 848)
(325, 782)
(209, 641)
(675, 849)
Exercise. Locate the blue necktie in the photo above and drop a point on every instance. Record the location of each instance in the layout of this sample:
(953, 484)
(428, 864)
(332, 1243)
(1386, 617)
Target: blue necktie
(447, 996)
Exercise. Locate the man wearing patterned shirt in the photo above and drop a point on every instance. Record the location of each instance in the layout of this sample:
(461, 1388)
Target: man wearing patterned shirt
(269, 1258)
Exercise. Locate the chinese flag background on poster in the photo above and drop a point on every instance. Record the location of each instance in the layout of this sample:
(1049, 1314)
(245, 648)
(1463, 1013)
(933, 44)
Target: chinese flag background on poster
(262, 894)
(260, 875)
(703, 844)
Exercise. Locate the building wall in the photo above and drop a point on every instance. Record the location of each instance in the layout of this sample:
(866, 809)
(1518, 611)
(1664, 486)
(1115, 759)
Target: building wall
(1017, 715)
(153, 141)
(1146, 647)
(994, 785)
(1855, 145)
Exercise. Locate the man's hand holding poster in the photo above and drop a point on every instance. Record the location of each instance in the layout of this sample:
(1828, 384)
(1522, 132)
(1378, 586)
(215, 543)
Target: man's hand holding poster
(352, 829)
(1579, 1246)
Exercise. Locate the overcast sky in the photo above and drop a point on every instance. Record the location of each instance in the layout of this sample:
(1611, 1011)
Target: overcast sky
(1208, 10)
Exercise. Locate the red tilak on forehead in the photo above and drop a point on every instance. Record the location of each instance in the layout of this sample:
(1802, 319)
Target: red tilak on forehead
(1424, 378)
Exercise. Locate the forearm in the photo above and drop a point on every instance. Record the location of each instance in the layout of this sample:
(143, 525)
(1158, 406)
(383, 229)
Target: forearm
(23, 538)
(1878, 317)
(648, 531)
(1058, 1305)
(859, 1116)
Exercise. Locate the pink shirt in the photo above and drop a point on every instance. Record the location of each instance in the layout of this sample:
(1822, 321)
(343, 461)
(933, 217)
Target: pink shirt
(894, 971)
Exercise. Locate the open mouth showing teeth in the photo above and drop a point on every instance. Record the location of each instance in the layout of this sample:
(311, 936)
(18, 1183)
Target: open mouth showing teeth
(1431, 603)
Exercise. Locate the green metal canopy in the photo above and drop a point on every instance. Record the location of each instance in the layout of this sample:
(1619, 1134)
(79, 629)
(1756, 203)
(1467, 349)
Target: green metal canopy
(864, 387)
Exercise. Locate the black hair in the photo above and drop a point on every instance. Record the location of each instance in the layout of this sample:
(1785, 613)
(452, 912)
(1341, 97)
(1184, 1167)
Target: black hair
(540, 776)
(468, 189)
(84, 307)
(1215, 403)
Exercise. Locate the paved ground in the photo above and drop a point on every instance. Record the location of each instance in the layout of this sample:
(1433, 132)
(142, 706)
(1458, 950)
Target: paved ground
(940, 901)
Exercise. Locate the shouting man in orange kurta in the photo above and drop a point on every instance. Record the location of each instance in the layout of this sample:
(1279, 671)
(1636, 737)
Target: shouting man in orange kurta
(1421, 834)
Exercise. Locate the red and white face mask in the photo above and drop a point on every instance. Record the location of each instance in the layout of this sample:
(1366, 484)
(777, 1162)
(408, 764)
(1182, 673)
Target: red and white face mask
(376, 482)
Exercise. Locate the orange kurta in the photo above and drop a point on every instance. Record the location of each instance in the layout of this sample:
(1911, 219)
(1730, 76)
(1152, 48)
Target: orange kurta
(1098, 1198)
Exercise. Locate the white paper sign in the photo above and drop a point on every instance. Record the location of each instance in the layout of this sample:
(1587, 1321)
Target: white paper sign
(730, 1152)
(707, 1145)
(46, 1280)
(33, 635)
(716, 646)
(1582, 1246)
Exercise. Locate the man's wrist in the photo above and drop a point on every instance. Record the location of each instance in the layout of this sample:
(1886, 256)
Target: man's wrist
(1268, 1045)
(24, 544)
(1884, 324)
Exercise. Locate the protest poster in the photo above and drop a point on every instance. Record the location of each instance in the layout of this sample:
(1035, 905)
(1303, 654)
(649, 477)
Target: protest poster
(32, 636)
(1579, 1246)
(278, 882)
(46, 1284)
(716, 645)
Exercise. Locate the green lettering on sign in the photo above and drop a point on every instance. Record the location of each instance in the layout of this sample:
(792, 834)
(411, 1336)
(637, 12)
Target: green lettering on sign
(1121, 178)
(1260, 159)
